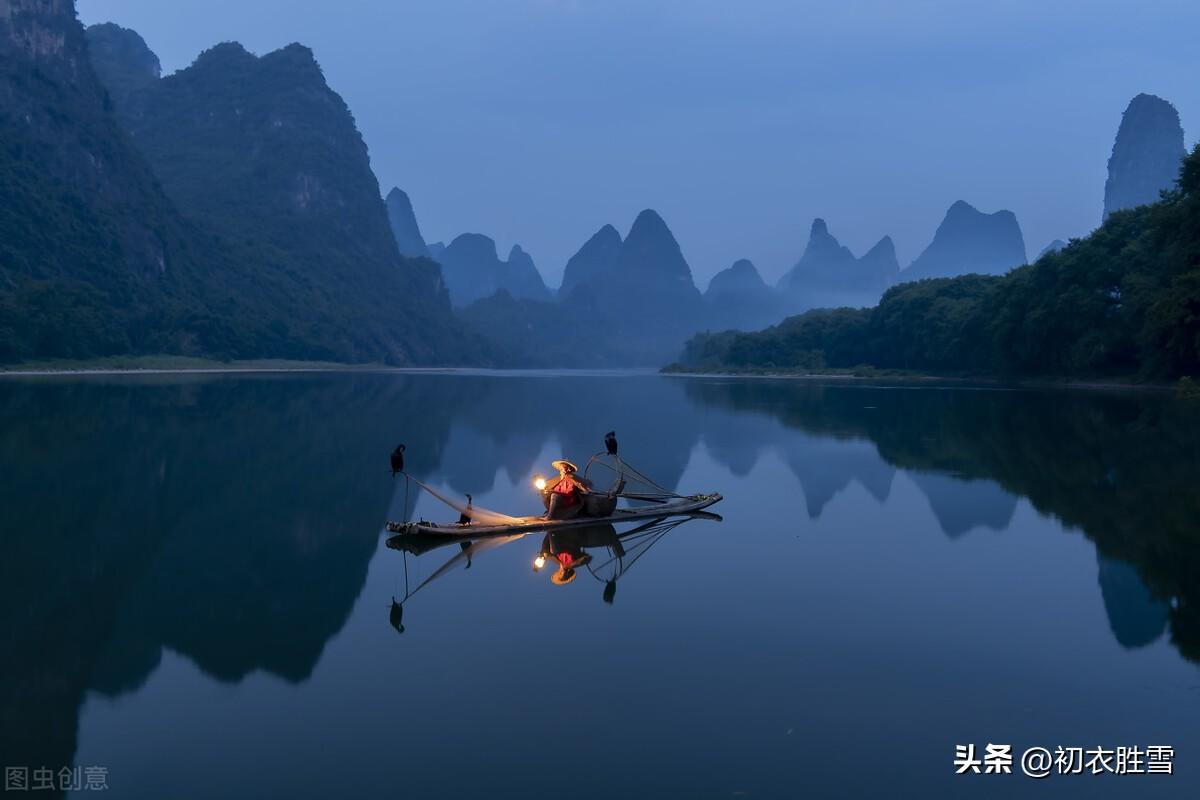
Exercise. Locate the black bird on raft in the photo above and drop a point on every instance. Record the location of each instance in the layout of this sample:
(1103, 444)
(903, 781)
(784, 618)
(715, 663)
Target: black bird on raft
(465, 518)
(610, 442)
(398, 460)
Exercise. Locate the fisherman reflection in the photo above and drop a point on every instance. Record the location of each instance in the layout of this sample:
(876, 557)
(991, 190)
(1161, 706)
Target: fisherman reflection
(563, 496)
(567, 549)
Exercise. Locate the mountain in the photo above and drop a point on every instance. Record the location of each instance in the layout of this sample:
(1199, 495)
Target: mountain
(473, 271)
(740, 280)
(595, 259)
(631, 307)
(122, 60)
(404, 225)
(969, 241)
(1121, 301)
(1053, 247)
(828, 274)
(1146, 154)
(650, 267)
(521, 278)
(645, 303)
(94, 258)
(879, 267)
(264, 154)
(738, 297)
(824, 265)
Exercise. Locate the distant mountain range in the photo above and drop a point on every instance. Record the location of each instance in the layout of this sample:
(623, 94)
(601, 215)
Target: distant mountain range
(473, 271)
(230, 210)
(1121, 301)
(644, 284)
(623, 302)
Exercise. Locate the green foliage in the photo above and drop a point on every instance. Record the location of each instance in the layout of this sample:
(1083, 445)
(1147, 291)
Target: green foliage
(282, 249)
(1123, 301)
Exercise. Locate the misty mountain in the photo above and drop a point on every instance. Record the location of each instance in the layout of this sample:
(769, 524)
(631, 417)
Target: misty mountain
(1053, 247)
(829, 275)
(264, 154)
(1146, 154)
(631, 307)
(645, 275)
(741, 280)
(738, 297)
(645, 299)
(969, 241)
(473, 271)
(404, 225)
(879, 267)
(825, 263)
(1119, 302)
(650, 267)
(595, 259)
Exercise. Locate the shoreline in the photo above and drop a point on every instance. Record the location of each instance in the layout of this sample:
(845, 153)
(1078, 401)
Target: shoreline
(926, 378)
(186, 366)
(151, 365)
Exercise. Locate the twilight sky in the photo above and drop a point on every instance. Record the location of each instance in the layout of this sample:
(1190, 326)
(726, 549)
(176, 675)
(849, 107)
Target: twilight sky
(537, 121)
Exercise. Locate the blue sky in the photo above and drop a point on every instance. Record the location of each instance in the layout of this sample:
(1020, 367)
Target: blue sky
(537, 121)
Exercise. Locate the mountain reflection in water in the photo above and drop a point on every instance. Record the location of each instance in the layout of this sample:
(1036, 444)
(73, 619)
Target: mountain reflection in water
(232, 519)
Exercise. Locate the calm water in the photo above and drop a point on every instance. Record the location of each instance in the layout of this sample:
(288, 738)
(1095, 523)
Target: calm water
(195, 589)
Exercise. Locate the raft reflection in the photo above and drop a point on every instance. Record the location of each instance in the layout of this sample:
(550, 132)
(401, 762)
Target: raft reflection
(598, 551)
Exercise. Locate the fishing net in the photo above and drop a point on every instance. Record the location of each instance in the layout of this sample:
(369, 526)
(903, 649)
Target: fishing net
(477, 514)
(630, 482)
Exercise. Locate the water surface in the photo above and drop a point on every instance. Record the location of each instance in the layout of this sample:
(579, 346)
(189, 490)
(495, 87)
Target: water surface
(196, 593)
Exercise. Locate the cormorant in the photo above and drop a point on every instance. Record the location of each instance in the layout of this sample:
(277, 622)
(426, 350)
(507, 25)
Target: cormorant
(398, 460)
(465, 518)
(610, 442)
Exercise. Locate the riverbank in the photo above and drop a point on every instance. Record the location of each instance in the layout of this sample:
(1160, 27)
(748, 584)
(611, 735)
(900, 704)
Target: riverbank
(167, 365)
(172, 364)
(924, 378)
(178, 365)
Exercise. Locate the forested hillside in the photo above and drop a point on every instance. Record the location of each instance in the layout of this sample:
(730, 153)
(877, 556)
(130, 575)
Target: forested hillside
(1123, 301)
(228, 211)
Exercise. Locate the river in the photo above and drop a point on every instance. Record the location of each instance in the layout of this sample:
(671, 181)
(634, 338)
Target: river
(196, 593)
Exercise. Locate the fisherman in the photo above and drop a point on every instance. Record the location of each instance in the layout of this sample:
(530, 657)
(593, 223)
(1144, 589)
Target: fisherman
(564, 494)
